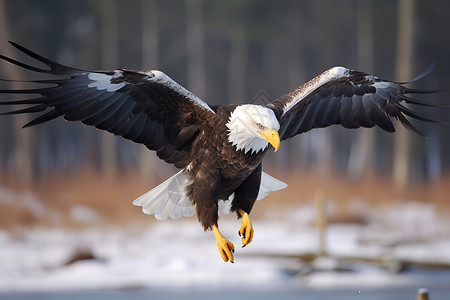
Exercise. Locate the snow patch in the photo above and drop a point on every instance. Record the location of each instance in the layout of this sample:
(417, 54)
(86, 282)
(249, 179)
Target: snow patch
(179, 254)
(84, 214)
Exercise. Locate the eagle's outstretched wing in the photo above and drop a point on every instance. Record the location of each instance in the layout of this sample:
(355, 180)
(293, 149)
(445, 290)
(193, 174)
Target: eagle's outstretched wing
(347, 97)
(146, 107)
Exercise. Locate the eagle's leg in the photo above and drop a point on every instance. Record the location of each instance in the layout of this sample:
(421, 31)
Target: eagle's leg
(246, 230)
(226, 248)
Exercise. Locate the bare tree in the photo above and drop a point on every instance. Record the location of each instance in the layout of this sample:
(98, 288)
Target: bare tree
(300, 149)
(362, 150)
(403, 72)
(23, 138)
(109, 59)
(195, 48)
(237, 64)
(150, 43)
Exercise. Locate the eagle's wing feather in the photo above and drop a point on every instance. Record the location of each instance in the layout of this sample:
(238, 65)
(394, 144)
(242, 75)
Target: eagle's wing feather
(350, 98)
(146, 107)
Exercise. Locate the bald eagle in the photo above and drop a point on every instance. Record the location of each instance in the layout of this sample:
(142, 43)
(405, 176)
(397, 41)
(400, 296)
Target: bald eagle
(218, 149)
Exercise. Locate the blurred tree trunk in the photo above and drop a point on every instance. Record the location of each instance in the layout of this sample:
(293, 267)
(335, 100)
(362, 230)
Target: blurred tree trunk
(150, 43)
(362, 151)
(403, 72)
(237, 65)
(434, 156)
(299, 150)
(24, 146)
(195, 48)
(109, 60)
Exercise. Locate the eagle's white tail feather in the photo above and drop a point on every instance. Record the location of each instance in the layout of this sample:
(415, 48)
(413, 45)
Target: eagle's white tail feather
(269, 184)
(169, 200)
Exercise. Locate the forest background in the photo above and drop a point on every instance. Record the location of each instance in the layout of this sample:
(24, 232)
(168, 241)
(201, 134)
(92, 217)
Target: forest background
(225, 52)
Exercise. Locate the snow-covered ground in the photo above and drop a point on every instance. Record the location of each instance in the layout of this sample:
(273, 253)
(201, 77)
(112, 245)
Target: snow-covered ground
(178, 254)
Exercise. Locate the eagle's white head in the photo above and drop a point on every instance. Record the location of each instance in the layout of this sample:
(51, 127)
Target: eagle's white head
(252, 127)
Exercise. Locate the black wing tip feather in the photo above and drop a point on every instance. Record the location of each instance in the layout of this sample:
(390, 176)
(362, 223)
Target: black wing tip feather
(423, 74)
(38, 104)
(34, 55)
(408, 112)
(55, 68)
(408, 125)
(22, 65)
(422, 91)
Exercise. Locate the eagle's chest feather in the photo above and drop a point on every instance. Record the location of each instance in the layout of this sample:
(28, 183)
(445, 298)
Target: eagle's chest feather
(217, 162)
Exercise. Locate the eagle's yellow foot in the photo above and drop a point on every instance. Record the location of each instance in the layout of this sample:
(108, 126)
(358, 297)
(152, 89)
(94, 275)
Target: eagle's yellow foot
(246, 230)
(226, 248)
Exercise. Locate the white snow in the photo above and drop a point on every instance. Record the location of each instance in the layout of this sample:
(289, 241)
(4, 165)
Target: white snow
(26, 199)
(178, 254)
(84, 214)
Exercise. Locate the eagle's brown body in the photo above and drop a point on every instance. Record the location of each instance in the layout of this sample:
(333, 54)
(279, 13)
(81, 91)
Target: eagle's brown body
(217, 171)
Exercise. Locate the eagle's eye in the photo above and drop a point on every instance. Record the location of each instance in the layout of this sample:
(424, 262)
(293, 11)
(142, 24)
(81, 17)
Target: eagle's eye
(260, 126)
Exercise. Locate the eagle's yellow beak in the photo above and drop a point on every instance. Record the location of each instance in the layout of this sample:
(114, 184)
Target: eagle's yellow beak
(272, 137)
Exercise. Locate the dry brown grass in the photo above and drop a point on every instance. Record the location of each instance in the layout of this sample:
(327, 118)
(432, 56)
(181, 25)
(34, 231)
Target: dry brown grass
(111, 196)
(374, 192)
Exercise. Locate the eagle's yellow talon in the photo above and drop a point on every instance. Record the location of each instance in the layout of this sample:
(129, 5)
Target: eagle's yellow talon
(226, 248)
(246, 229)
